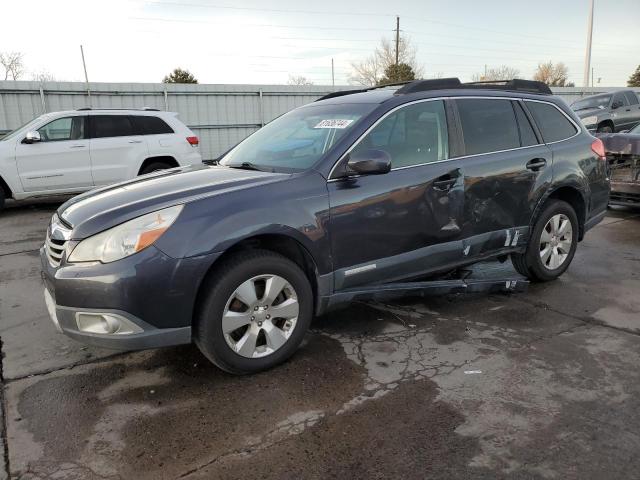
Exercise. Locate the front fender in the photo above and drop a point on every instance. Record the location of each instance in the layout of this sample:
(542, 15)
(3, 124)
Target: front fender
(298, 208)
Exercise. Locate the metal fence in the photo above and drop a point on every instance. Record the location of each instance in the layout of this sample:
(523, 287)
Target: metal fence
(221, 115)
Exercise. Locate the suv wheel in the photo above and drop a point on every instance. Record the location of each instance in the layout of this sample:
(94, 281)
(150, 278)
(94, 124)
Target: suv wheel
(257, 309)
(552, 243)
(154, 167)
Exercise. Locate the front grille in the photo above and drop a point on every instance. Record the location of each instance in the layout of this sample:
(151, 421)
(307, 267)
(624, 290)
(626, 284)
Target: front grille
(54, 249)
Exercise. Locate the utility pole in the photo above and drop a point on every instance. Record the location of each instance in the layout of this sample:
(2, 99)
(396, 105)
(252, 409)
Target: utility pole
(86, 77)
(592, 84)
(587, 59)
(397, 39)
(333, 77)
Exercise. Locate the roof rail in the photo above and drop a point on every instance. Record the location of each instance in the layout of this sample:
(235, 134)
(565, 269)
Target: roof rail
(144, 109)
(342, 93)
(517, 85)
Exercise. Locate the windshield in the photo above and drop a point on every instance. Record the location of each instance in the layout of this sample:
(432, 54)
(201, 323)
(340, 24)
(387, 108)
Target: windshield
(296, 141)
(11, 135)
(592, 102)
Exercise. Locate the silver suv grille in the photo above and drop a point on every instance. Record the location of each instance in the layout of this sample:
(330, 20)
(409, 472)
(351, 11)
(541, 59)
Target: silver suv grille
(54, 250)
(55, 241)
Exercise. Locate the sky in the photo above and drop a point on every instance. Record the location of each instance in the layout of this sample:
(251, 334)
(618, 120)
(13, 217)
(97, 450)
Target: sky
(258, 42)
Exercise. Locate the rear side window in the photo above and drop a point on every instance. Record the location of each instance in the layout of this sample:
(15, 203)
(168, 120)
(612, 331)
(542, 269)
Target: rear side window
(553, 124)
(527, 135)
(147, 125)
(111, 126)
(632, 98)
(619, 99)
(488, 125)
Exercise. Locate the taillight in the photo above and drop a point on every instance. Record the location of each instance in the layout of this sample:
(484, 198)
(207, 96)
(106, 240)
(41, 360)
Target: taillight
(193, 141)
(598, 148)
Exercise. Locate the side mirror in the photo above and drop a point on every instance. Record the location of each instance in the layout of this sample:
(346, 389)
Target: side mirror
(32, 137)
(369, 162)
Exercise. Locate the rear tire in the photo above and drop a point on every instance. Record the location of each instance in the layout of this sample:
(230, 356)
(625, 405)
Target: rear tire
(154, 167)
(239, 291)
(552, 243)
(1, 198)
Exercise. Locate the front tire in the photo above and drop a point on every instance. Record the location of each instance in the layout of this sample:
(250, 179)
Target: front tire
(154, 167)
(604, 129)
(552, 243)
(256, 310)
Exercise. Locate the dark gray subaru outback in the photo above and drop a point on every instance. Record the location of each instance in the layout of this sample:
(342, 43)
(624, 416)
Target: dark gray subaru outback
(357, 192)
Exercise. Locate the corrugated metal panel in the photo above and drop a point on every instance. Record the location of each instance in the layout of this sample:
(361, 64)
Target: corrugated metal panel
(221, 115)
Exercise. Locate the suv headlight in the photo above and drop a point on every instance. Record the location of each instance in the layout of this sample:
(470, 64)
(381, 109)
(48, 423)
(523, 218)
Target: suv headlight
(592, 120)
(125, 239)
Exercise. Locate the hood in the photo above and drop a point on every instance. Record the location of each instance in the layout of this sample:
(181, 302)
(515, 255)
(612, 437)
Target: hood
(621, 143)
(105, 207)
(589, 112)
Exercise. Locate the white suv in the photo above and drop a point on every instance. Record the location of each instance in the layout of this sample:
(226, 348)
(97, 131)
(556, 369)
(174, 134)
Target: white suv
(70, 152)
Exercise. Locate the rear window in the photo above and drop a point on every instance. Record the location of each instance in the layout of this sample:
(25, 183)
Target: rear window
(553, 124)
(147, 125)
(488, 125)
(111, 126)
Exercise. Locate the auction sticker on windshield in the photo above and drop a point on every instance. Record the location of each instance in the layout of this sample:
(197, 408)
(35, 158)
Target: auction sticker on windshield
(337, 123)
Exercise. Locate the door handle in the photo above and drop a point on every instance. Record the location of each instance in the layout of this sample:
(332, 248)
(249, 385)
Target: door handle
(78, 146)
(444, 184)
(135, 141)
(536, 164)
(628, 110)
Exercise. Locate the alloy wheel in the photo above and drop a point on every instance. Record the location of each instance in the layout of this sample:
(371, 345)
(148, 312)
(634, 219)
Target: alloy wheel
(555, 241)
(260, 316)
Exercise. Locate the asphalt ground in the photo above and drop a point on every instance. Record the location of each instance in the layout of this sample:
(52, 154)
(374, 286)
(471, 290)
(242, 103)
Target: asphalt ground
(543, 384)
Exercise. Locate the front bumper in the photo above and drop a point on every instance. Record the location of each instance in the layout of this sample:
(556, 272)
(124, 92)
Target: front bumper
(150, 291)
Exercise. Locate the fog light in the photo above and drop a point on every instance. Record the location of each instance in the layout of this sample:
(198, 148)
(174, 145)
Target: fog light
(105, 324)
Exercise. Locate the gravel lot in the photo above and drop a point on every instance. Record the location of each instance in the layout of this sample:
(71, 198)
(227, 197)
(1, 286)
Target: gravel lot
(543, 384)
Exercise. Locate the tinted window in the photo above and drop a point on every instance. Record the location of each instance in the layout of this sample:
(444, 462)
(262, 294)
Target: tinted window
(145, 125)
(620, 99)
(631, 98)
(552, 123)
(527, 135)
(111, 126)
(412, 135)
(68, 128)
(488, 125)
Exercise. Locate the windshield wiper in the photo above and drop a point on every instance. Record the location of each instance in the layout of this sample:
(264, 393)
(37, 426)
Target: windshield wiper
(247, 166)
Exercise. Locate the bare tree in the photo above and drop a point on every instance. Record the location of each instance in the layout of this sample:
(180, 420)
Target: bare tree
(503, 72)
(12, 64)
(553, 75)
(299, 80)
(370, 70)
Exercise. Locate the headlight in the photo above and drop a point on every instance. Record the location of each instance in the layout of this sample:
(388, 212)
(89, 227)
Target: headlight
(125, 239)
(593, 120)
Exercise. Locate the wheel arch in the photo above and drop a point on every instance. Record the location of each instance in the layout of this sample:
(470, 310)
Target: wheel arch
(283, 244)
(168, 159)
(574, 197)
(607, 122)
(4, 186)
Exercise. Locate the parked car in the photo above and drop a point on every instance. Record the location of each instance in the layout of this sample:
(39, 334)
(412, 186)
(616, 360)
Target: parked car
(357, 192)
(71, 152)
(623, 155)
(609, 112)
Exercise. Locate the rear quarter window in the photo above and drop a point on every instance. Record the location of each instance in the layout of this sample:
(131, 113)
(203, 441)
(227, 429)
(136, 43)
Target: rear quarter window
(552, 123)
(149, 125)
